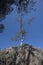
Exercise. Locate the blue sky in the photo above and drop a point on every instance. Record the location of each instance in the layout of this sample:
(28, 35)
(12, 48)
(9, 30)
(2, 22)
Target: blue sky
(35, 29)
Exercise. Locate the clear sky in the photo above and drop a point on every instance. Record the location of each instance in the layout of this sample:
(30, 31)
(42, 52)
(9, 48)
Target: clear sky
(35, 30)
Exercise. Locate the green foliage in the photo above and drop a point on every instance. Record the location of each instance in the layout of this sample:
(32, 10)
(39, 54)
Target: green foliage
(2, 27)
(23, 45)
(22, 6)
(15, 48)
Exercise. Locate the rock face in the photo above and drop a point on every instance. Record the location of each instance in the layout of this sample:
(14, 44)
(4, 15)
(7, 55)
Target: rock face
(23, 55)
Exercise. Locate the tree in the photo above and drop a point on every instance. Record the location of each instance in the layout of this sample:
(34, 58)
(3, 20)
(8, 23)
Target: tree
(23, 6)
(1, 28)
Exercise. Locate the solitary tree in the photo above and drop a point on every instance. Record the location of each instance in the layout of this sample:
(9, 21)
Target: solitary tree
(23, 6)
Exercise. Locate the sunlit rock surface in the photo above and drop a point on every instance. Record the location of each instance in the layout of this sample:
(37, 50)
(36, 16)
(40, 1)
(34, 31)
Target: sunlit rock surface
(23, 55)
